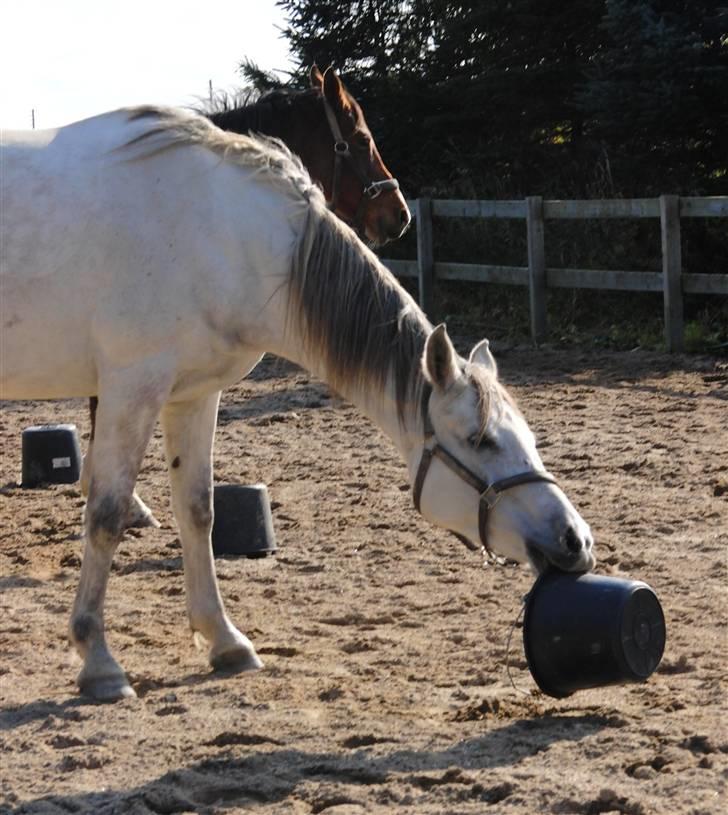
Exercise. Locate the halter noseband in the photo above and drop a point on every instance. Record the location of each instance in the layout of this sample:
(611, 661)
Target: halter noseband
(489, 492)
(370, 189)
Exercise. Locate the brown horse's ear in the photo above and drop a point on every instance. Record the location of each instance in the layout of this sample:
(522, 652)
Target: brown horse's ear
(334, 90)
(316, 77)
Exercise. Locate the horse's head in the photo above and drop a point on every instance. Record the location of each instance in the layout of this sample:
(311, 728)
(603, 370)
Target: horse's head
(357, 185)
(479, 474)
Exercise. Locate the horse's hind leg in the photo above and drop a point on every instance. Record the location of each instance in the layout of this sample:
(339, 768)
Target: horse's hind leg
(124, 429)
(188, 433)
(138, 514)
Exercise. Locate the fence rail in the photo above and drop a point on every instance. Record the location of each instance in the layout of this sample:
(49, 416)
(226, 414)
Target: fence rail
(671, 281)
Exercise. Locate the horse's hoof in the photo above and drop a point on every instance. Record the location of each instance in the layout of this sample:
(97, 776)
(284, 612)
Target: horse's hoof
(139, 515)
(236, 660)
(106, 688)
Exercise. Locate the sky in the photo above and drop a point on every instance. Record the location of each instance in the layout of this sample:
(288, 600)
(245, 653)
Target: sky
(70, 59)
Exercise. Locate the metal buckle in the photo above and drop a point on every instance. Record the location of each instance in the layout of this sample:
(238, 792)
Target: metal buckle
(341, 148)
(490, 496)
(374, 190)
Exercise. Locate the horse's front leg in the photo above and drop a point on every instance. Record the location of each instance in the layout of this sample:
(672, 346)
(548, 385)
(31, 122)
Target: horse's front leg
(138, 514)
(189, 429)
(125, 425)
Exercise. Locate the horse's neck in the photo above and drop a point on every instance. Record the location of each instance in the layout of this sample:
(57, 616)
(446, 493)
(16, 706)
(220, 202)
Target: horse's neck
(405, 434)
(254, 118)
(262, 116)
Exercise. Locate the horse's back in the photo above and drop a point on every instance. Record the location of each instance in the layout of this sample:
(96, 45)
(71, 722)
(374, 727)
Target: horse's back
(53, 197)
(57, 186)
(104, 250)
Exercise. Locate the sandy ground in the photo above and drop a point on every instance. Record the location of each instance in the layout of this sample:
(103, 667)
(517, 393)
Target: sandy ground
(384, 640)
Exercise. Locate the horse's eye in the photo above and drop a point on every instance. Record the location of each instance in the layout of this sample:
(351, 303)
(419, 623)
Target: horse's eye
(482, 441)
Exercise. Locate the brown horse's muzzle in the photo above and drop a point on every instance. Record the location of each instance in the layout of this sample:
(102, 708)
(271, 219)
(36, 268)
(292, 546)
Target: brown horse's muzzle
(386, 217)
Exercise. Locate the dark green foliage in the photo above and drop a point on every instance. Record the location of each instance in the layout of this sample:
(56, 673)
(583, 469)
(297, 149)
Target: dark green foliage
(657, 95)
(558, 98)
(258, 79)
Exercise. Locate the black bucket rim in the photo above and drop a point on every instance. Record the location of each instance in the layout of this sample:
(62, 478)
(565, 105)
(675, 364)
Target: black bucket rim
(50, 426)
(527, 605)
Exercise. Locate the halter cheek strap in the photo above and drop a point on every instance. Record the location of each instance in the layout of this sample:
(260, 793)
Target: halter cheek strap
(489, 492)
(342, 152)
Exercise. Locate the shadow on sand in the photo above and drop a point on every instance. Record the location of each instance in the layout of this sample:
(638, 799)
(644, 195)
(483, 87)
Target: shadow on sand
(253, 772)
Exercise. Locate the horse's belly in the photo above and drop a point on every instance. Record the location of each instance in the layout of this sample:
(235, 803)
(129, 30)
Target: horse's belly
(32, 368)
(43, 340)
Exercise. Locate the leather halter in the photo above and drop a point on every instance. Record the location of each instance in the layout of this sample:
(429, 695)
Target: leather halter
(489, 492)
(370, 189)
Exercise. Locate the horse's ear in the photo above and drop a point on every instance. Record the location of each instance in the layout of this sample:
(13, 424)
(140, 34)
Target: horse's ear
(440, 364)
(481, 355)
(334, 90)
(316, 77)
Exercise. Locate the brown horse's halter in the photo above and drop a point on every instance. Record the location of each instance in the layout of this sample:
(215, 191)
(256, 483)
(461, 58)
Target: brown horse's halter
(370, 189)
(489, 492)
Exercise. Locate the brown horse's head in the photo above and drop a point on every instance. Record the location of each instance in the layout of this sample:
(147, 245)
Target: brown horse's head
(344, 158)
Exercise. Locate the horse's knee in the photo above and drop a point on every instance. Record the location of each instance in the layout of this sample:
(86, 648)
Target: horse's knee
(106, 517)
(200, 508)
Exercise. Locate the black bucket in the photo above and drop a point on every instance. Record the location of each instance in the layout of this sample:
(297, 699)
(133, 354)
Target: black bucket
(243, 523)
(51, 455)
(586, 630)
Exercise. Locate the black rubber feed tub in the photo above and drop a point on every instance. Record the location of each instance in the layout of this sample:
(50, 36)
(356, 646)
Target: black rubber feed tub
(243, 523)
(50, 455)
(585, 631)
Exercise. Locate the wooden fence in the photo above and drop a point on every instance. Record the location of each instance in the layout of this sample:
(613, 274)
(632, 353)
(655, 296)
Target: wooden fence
(671, 281)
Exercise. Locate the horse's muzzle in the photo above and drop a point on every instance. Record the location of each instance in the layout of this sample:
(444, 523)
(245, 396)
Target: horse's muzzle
(572, 552)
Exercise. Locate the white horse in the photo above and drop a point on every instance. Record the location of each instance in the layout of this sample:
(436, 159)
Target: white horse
(150, 258)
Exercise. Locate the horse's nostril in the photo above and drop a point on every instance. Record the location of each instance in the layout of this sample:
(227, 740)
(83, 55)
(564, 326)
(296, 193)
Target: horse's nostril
(404, 217)
(572, 540)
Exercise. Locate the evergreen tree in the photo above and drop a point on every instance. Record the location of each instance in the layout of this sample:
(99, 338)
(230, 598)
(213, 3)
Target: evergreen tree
(656, 95)
(484, 98)
(462, 94)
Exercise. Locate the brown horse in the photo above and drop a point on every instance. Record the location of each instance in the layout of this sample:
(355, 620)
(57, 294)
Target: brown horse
(326, 127)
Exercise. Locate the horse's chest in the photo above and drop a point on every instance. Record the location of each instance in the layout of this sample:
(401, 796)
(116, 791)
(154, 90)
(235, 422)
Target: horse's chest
(215, 373)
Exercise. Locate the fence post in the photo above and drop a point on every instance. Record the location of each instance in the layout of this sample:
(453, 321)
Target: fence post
(536, 267)
(672, 271)
(425, 254)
